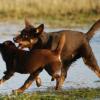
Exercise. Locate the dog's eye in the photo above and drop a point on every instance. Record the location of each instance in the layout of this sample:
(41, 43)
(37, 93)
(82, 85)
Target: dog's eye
(25, 36)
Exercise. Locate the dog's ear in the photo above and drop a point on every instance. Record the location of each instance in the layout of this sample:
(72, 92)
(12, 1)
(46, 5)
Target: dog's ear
(27, 22)
(40, 29)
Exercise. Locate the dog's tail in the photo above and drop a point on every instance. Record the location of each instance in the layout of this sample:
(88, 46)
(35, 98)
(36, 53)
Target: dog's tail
(92, 30)
(60, 45)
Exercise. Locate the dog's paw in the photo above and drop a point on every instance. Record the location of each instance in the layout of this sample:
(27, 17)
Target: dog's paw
(52, 79)
(57, 87)
(18, 91)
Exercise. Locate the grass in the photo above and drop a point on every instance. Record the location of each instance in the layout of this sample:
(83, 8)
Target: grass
(55, 13)
(76, 94)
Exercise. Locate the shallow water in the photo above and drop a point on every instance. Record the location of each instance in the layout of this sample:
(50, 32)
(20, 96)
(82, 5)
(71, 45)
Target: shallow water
(79, 75)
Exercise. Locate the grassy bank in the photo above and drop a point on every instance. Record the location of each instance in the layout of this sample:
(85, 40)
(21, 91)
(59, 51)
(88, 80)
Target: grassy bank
(77, 94)
(51, 12)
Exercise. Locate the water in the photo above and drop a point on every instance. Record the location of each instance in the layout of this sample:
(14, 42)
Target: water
(79, 75)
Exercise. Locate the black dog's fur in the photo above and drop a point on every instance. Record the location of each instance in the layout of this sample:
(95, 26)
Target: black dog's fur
(76, 44)
(31, 62)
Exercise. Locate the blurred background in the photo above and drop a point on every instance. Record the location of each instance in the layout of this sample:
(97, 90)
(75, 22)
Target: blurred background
(77, 15)
(54, 13)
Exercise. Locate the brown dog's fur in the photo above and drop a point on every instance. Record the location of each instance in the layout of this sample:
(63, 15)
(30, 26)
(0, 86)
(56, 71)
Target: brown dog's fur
(32, 62)
(76, 44)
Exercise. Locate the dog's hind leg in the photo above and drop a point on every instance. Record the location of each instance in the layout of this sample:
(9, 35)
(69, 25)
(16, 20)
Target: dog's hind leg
(58, 82)
(90, 60)
(28, 82)
(64, 71)
(7, 76)
(56, 69)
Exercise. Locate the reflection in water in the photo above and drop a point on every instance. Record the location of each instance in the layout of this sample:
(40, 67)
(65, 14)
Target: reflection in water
(79, 75)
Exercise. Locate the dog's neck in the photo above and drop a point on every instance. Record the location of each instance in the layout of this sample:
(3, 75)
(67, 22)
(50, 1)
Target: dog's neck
(44, 38)
(44, 42)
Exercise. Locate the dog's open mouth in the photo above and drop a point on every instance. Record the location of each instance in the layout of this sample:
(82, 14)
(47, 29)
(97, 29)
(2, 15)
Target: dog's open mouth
(22, 45)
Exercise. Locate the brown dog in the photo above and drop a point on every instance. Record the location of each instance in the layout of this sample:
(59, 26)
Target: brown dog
(76, 44)
(32, 62)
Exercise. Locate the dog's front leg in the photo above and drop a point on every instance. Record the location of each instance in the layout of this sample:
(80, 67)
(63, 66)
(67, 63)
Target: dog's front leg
(64, 71)
(28, 82)
(58, 82)
(6, 76)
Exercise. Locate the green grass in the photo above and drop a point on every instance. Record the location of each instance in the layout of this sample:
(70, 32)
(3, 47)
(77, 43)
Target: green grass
(54, 13)
(76, 94)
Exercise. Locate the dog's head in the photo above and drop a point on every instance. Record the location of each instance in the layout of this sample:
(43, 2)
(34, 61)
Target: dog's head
(29, 35)
(7, 44)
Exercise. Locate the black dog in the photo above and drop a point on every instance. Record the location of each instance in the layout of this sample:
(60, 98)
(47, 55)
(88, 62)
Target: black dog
(76, 44)
(32, 62)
